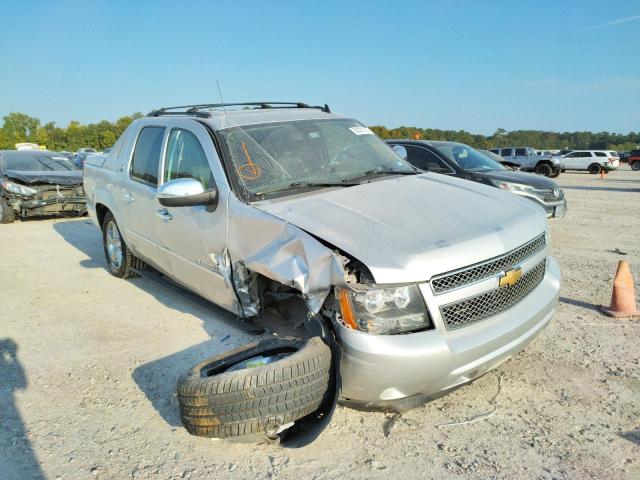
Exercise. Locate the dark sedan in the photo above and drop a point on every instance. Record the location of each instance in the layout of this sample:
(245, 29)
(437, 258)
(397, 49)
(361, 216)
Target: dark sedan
(38, 183)
(460, 160)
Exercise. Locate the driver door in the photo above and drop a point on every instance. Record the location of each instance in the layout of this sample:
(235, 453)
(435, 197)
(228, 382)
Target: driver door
(193, 239)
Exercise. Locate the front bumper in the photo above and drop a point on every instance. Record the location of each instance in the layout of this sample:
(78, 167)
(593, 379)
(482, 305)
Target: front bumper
(48, 201)
(383, 371)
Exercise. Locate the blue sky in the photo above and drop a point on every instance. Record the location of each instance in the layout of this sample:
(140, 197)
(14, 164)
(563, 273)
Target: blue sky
(471, 65)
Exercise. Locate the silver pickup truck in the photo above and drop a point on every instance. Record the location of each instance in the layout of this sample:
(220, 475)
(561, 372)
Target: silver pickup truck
(419, 282)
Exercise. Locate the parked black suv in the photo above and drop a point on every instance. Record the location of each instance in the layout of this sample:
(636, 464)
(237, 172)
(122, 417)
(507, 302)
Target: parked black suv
(460, 160)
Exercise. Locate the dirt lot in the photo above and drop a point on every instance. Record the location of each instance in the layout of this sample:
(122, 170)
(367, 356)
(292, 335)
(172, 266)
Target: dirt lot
(89, 393)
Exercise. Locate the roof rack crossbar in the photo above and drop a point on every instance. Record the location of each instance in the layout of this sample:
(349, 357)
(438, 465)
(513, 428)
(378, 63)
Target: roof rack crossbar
(195, 109)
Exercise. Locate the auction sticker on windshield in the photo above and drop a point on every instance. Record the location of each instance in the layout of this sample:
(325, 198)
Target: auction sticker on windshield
(361, 130)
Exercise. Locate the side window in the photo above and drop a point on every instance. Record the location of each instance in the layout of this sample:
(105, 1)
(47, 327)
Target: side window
(496, 151)
(425, 160)
(600, 154)
(146, 155)
(575, 155)
(506, 152)
(521, 152)
(185, 158)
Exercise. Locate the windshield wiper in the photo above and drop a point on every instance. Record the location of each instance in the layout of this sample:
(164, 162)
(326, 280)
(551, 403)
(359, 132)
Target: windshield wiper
(299, 185)
(380, 171)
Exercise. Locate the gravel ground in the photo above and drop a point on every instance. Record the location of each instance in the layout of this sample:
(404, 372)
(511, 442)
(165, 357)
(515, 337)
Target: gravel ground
(89, 364)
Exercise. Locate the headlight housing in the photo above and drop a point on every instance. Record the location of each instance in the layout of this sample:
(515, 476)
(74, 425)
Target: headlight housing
(512, 187)
(17, 188)
(381, 310)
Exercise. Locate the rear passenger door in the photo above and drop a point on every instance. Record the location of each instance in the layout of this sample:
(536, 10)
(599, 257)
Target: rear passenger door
(425, 159)
(193, 239)
(571, 160)
(137, 194)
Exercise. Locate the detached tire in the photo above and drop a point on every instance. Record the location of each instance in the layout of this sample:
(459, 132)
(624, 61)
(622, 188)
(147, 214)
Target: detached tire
(6, 212)
(218, 402)
(595, 168)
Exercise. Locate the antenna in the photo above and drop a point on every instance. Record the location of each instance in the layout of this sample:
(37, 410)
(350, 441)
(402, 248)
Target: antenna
(222, 102)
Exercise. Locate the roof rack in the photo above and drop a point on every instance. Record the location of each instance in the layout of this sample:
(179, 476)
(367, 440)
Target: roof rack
(196, 110)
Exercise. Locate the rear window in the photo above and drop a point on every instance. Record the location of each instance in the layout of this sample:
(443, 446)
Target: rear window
(146, 156)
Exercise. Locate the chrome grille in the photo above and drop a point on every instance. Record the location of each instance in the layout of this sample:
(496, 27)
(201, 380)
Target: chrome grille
(474, 309)
(474, 273)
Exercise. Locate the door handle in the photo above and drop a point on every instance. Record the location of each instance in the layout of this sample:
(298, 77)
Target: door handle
(126, 196)
(164, 214)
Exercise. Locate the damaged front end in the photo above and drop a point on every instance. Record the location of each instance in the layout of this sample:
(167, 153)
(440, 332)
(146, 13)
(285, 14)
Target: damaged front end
(42, 199)
(267, 250)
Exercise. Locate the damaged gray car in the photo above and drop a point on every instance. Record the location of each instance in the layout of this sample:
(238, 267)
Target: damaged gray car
(35, 183)
(392, 285)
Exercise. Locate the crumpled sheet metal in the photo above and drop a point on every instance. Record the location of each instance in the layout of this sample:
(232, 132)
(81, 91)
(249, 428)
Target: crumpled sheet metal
(278, 250)
(73, 177)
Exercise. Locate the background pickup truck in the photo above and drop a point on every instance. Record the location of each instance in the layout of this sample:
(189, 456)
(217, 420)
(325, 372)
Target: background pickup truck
(530, 161)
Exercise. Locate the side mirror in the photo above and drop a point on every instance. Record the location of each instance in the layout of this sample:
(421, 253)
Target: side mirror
(400, 151)
(187, 192)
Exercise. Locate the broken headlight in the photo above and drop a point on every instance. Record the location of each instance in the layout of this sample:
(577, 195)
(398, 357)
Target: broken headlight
(383, 310)
(17, 188)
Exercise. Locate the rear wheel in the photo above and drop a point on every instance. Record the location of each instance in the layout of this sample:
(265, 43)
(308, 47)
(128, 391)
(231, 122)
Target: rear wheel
(6, 212)
(635, 165)
(256, 389)
(122, 263)
(544, 169)
(595, 168)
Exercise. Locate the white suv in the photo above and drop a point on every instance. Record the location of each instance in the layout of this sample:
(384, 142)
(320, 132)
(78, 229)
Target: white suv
(593, 161)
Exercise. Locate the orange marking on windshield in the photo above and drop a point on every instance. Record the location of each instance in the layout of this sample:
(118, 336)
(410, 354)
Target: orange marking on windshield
(248, 171)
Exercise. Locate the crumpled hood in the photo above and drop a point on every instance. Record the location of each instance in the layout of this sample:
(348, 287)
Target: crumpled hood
(407, 229)
(536, 181)
(71, 177)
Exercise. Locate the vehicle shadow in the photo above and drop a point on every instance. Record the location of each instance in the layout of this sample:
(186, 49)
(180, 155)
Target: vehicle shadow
(83, 235)
(157, 378)
(17, 458)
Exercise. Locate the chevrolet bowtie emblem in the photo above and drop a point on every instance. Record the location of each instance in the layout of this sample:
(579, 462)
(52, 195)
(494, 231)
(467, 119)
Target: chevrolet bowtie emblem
(510, 277)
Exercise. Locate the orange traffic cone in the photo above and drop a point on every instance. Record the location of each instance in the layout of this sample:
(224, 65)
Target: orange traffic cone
(623, 298)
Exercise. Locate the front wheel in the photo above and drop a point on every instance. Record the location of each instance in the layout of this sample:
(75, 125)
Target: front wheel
(595, 168)
(6, 212)
(544, 169)
(122, 263)
(555, 173)
(635, 165)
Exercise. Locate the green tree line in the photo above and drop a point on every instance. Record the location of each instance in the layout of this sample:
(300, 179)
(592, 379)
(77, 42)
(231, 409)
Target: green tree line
(538, 139)
(19, 127)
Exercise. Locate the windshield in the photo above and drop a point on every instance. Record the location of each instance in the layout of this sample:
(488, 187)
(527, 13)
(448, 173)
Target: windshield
(269, 157)
(36, 162)
(469, 159)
